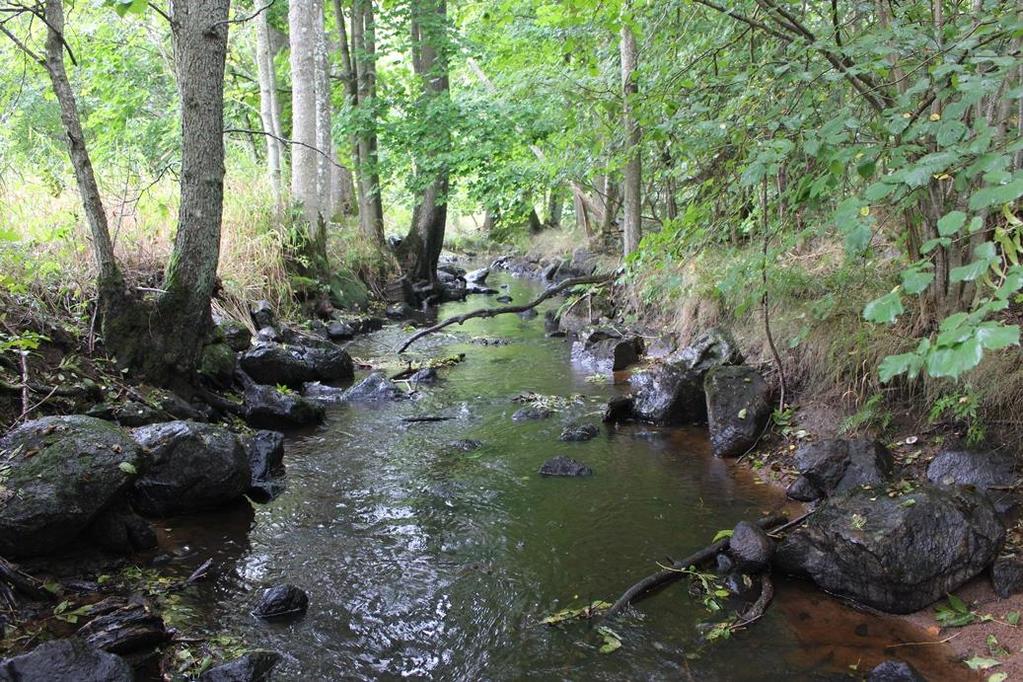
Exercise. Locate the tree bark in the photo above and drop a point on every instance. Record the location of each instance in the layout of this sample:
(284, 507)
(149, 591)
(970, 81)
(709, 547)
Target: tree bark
(421, 248)
(554, 207)
(302, 26)
(324, 135)
(268, 111)
(362, 96)
(632, 185)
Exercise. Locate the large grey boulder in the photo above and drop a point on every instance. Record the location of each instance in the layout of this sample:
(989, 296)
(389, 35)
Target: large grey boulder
(268, 407)
(896, 554)
(265, 450)
(56, 475)
(829, 467)
(738, 408)
(606, 350)
(981, 469)
(66, 660)
(191, 466)
(374, 388)
(272, 364)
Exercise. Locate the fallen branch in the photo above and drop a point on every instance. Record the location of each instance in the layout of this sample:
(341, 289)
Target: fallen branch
(676, 570)
(14, 580)
(759, 607)
(418, 420)
(549, 292)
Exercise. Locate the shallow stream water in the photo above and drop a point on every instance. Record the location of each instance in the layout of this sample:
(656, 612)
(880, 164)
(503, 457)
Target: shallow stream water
(425, 562)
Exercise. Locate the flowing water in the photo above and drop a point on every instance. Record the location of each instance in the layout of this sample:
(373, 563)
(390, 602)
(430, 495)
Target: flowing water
(425, 562)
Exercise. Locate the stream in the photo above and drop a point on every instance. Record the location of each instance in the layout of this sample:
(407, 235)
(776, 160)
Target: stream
(425, 562)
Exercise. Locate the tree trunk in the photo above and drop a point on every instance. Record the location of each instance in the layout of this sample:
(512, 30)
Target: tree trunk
(554, 208)
(268, 109)
(111, 283)
(632, 186)
(362, 95)
(324, 137)
(302, 26)
(421, 249)
(582, 218)
(489, 222)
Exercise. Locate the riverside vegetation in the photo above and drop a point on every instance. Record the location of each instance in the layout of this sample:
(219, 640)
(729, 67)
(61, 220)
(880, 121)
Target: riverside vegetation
(227, 226)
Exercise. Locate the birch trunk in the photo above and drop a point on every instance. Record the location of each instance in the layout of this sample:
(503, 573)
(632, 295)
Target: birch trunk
(632, 185)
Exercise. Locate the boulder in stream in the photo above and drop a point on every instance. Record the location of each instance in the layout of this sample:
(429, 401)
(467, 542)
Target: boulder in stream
(281, 601)
(896, 554)
(191, 466)
(273, 364)
(271, 408)
(751, 547)
(255, 666)
(56, 475)
(564, 466)
(607, 350)
(738, 408)
(265, 450)
(374, 388)
(829, 467)
(119, 529)
(575, 433)
(531, 413)
(66, 660)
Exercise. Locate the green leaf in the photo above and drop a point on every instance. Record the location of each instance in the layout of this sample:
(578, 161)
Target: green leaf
(721, 535)
(999, 194)
(931, 244)
(998, 677)
(981, 663)
(128, 468)
(885, 309)
(916, 281)
(612, 642)
(894, 365)
(1012, 618)
(951, 362)
(951, 223)
(996, 336)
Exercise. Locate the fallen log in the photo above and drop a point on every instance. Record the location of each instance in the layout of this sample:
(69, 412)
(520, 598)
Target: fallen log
(549, 292)
(674, 572)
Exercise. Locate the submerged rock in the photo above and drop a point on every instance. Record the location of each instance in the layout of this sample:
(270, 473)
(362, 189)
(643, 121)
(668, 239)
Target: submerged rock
(191, 466)
(618, 410)
(896, 554)
(281, 601)
(56, 475)
(321, 393)
(374, 388)
(255, 666)
(66, 660)
(895, 671)
(751, 547)
(265, 450)
(465, 445)
(579, 432)
(271, 408)
(835, 466)
(427, 376)
(273, 364)
(737, 408)
(564, 466)
(531, 413)
(503, 299)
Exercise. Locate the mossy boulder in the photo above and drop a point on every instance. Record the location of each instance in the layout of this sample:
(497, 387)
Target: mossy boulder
(347, 291)
(273, 364)
(56, 475)
(217, 363)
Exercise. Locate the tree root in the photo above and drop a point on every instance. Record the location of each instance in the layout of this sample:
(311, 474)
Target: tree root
(675, 571)
(549, 292)
(759, 607)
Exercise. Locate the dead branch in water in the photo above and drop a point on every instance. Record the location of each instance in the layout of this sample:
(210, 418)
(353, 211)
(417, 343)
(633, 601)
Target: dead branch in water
(549, 292)
(675, 571)
(759, 607)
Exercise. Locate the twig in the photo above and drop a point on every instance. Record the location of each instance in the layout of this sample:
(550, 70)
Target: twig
(675, 571)
(23, 358)
(940, 641)
(418, 420)
(246, 131)
(549, 292)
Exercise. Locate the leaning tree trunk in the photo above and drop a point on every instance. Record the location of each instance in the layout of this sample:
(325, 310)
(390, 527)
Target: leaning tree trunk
(110, 282)
(267, 109)
(420, 251)
(632, 185)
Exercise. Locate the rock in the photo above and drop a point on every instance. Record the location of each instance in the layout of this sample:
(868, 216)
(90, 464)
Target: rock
(268, 335)
(503, 299)
(740, 585)
(579, 432)
(1007, 575)
(895, 671)
(896, 554)
(130, 413)
(281, 601)
(191, 466)
(737, 408)
(265, 450)
(477, 276)
(472, 288)
(374, 388)
(528, 314)
(322, 393)
(263, 314)
(551, 322)
(803, 490)
(465, 445)
(270, 408)
(123, 628)
(273, 364)
(550, 272)
(531, 412)
(427, 376)
(980, 469)
(751, 547)
(340, 331)
(452, 271)
(59, 474)
(119, 529)
(255, 666)
(564, 466)
(176, 406)
(606, 350)
(66, 660)
(713, 348)
(236, 335)
(618, 410)
(400, 311)
(835, 466)
(217, 363)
